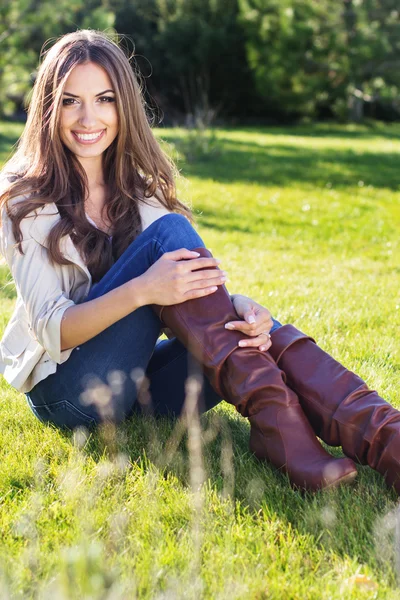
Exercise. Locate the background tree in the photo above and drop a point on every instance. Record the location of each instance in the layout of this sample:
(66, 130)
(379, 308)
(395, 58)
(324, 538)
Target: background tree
(195, 51)
(292, 49)
(372, 60)
(307, 56)
(24, 27)
(238, 59)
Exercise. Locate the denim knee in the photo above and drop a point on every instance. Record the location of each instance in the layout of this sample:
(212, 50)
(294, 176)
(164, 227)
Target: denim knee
(175, 231)
(276, 325)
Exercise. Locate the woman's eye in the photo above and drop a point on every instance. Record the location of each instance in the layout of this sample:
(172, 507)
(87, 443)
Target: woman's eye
(102, 99)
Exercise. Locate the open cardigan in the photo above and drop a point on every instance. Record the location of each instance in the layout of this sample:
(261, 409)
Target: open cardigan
(31, 345)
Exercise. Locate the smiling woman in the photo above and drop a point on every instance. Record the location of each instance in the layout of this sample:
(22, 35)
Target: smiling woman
(90, 307)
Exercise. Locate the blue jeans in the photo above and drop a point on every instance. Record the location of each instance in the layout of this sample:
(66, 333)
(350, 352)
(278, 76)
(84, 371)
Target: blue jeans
(103, 379)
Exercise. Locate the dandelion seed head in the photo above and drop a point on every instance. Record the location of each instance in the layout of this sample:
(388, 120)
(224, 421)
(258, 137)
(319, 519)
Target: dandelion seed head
(255, 490)
(80, 436)
(328, 516)
(116, 380)
(98, 394)
(122, 462)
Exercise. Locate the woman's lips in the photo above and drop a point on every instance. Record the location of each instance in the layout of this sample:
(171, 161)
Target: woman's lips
(86, 142)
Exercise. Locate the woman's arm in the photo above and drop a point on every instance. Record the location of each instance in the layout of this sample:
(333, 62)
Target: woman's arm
(172, 279)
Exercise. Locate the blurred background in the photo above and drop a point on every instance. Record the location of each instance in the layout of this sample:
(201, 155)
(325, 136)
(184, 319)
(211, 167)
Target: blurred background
(227, 61)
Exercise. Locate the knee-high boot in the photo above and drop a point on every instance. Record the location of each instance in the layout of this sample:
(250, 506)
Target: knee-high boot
(341, 408)
(250, 380)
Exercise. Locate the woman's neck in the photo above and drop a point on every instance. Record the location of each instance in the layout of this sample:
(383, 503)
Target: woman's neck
(94, 173)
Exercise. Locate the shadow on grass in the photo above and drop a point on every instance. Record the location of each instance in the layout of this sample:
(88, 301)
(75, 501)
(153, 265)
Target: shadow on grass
(242, 222)
(7, 147)
(287, 164)
(284, 165)
(7, 140)
(371, 129)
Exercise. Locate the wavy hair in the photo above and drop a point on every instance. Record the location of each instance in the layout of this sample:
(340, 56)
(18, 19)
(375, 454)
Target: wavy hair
(43, 170)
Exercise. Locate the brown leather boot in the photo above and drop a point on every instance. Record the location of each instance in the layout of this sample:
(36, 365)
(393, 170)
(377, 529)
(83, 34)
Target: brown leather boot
(250, 380)
(341, 408)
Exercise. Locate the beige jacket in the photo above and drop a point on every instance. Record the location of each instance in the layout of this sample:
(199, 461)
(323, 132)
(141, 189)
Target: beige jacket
(31, 345)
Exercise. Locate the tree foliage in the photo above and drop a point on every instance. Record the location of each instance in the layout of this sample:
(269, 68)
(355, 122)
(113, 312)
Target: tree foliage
(309, 54)
(195, 50)
(234, 58)
(25, 26)
(292, 50)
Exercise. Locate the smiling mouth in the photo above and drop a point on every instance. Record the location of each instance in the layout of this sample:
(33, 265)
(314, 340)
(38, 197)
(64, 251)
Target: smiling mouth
(88, 138)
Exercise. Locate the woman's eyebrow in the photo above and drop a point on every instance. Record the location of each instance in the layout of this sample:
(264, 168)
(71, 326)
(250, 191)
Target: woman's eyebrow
(75, 96)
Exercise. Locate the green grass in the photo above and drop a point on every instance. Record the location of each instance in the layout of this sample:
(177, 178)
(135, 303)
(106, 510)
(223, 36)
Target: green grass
(306, 221)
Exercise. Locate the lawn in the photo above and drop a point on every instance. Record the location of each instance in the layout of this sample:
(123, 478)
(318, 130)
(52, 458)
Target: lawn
(305, 220)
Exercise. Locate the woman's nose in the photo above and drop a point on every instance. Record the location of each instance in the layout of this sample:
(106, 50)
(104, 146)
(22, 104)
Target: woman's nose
(87, 116)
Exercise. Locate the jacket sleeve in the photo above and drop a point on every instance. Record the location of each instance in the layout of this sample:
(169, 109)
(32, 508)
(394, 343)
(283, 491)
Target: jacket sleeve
(39, 287)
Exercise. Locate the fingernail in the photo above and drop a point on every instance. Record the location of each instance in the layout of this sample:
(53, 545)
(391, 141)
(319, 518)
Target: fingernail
(196, 253)
(251, 319)
(229, 326)
(242, 343)
(263, 348)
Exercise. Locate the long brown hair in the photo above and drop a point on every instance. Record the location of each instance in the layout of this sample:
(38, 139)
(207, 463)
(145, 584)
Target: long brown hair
(45, 171)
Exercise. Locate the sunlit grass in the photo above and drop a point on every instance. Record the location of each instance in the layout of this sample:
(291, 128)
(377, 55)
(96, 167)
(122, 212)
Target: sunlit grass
(306, 221)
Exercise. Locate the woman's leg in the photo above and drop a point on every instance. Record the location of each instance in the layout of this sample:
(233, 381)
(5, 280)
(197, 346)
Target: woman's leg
(250, 380)
(167, 373)
(341, 408)
(97, 381)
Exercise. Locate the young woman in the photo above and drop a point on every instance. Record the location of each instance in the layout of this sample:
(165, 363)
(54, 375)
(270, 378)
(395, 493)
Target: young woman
(104, 256)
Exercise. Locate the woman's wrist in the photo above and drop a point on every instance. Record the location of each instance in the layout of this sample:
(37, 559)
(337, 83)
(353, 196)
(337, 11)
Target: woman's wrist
(136, 289)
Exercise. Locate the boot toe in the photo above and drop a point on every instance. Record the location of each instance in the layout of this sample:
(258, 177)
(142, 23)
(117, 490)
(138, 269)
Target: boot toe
(338, 472)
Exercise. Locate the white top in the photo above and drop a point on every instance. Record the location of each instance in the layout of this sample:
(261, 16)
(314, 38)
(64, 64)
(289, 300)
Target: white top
(93, 223)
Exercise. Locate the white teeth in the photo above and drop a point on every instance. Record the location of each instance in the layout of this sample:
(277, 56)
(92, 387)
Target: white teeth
(88, 136)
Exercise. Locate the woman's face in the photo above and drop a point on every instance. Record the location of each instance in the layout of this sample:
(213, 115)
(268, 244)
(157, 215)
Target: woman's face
(89, 119)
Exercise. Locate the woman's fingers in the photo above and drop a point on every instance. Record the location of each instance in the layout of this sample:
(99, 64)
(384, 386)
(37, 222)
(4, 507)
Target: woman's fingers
(252, 329)
(188, 259)
(196, 264)
(202, 273)
(211, 277)
(262, 342)
(180, 254)
(199, 293)
(207, 284)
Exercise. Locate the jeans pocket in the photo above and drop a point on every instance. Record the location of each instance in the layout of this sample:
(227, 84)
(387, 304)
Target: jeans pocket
(33, 408)
(63, 414)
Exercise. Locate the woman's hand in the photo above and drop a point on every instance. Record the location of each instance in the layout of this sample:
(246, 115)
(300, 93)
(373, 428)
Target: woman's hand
(257, 322)
(179, 276)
